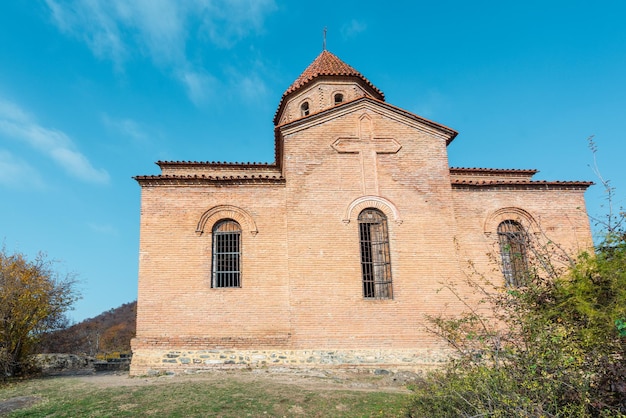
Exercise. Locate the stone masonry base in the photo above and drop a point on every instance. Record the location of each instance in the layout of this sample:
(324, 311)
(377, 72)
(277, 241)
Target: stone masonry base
(151, 361)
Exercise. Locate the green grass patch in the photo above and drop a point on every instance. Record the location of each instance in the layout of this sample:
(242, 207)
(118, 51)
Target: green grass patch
(226, 396)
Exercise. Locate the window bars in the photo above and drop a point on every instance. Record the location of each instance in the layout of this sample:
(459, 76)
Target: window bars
(226, 254)
(513, 243)
(375, 258)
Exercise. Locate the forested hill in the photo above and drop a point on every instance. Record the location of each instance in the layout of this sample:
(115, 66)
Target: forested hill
(109, 332)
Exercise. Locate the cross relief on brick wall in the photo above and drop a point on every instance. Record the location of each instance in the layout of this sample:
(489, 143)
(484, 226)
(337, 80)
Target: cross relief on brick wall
(368, 146)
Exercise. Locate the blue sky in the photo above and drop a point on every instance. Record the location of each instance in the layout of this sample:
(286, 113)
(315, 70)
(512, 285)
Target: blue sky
(94, 92)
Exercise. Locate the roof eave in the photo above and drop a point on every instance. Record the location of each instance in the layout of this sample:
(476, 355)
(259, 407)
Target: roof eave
(225, 164)
(200, 180)
(448, 133)
(527, 185)
(362, 81)
(520, 171)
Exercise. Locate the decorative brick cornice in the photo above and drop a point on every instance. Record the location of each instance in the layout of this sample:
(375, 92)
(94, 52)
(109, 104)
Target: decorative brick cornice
(196, 164)
(203, 180)
(495, 171)
(520, 184)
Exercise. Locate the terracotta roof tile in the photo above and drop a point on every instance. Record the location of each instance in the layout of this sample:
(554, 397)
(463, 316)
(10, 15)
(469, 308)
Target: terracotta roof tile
(205, 179)
(537, 184)
(492, 170)
(326, 64)
(214, 163)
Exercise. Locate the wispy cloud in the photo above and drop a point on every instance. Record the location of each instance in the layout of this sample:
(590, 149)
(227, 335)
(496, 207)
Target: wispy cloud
(228, 21)
(54, 144)
(160, 29)
(93, 23)
(353, 28)
(252, 87)
(103, 229)
(125, 126)
(198, 85)
(249, 84)
(430, 103)
(17, 173)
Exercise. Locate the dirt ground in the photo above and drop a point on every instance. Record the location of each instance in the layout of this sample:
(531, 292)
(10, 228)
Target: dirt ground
(379, 380)
(17, 403)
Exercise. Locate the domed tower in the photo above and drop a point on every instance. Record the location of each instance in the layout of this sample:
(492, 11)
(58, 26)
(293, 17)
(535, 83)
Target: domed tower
(327, 82)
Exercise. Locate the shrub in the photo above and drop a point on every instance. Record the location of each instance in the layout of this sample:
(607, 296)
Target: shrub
(553, 347)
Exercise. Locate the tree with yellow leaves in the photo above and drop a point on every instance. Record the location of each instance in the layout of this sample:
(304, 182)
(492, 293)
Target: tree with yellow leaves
(34, 298)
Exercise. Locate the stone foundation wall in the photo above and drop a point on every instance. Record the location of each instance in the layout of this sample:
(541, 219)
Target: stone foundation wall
(56, 363)
(147, 362)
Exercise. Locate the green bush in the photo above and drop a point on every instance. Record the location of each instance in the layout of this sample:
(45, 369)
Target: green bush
(554, 347)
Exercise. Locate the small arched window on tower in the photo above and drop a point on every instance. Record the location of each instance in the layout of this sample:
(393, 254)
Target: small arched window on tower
(375, 257)
(304, 109)
(513, 244)
(338, 98)
(226, 254)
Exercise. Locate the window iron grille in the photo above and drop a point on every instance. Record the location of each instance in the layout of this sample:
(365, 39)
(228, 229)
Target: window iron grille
(226, 254)
(513, 245)
(375, 256)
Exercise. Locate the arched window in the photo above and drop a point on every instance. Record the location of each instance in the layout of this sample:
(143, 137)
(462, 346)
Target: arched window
(304, 109)
(338, 98)
(513, 243)
(226, 254)
(375, 258)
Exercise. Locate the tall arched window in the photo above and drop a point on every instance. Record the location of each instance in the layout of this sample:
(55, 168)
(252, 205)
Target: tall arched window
(375, 257)
(338, 98)
(304, 109)
(513, 243)
(226, 254)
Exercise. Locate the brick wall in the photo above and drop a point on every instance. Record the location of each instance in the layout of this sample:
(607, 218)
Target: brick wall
(301, 287)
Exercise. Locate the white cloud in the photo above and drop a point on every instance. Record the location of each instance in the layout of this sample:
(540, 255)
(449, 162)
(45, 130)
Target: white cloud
(252, 87)
(93, 22)
(228, 21)
(198, 85)
(56, 145)
(103, 229)
(17, 173)
(353, 28)
(248, 85)
(126, 127)
(159, 27)
(117, 29)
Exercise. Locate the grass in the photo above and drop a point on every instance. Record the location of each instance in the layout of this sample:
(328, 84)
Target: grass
(215, 396)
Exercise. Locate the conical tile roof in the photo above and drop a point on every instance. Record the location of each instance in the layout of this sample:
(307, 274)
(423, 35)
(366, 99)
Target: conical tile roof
(326, 64)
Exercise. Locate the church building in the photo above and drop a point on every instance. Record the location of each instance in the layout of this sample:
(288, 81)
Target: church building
(332, 255)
